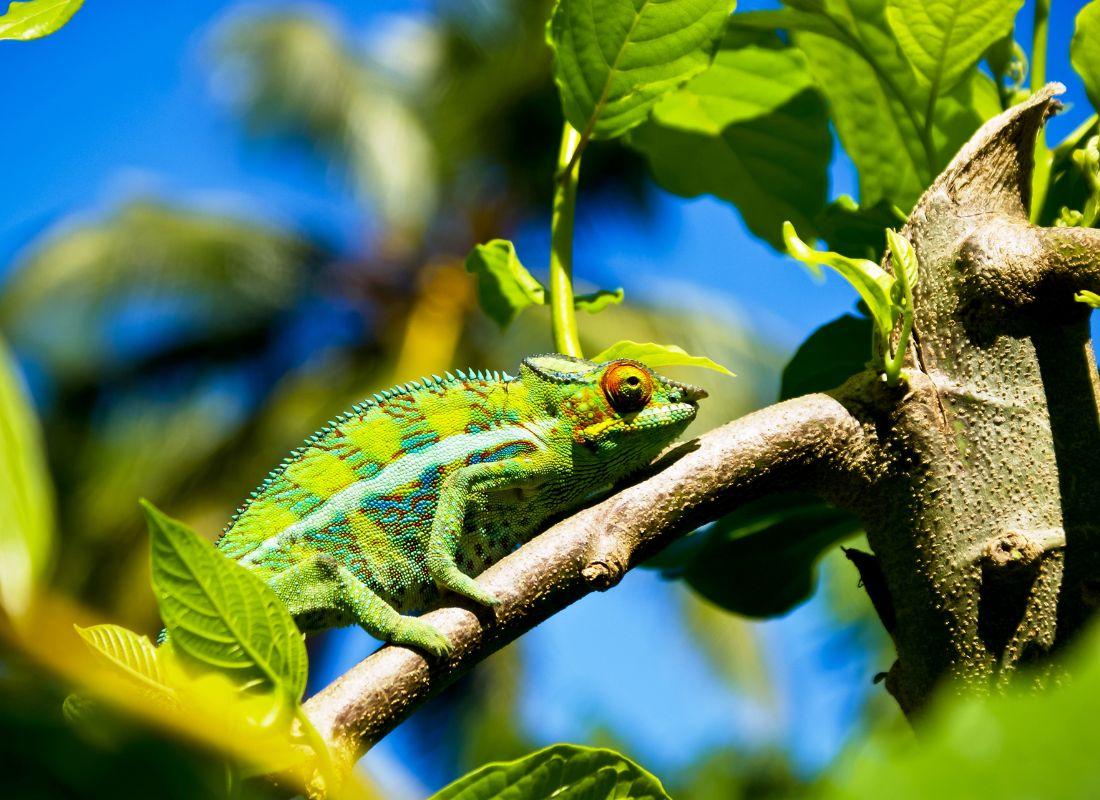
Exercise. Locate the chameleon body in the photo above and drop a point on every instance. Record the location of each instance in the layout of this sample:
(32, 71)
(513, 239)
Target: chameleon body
(427, 484)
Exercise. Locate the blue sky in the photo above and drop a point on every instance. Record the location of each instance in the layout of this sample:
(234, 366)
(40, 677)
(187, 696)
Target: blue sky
(122, 103)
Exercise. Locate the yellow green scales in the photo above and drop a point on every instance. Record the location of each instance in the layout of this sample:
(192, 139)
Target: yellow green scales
(424, 486)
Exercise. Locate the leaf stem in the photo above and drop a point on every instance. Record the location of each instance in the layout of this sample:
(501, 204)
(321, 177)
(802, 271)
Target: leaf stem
(894, 363)
(1040, 178)
(563, 318)
(1039, 45)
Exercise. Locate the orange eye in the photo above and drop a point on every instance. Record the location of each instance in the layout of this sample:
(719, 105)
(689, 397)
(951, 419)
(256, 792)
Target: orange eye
(628, 387)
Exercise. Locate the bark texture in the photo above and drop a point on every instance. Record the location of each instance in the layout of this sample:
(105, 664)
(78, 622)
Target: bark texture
(981, 523)
(975, 479)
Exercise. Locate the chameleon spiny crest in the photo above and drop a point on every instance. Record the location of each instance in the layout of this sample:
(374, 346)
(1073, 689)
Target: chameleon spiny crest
(426, 484)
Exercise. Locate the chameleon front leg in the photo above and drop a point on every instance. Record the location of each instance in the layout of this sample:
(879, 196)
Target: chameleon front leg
(322, 585)
(455, 494)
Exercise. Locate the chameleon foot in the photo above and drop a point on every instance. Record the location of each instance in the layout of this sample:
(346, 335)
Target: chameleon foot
(463, 584)
(414, 633)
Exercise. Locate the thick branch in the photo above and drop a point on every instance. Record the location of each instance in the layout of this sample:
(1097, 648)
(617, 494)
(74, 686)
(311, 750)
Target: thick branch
(811, 443)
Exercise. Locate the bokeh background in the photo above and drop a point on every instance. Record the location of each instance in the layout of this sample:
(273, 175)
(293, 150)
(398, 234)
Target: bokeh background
(221, 223)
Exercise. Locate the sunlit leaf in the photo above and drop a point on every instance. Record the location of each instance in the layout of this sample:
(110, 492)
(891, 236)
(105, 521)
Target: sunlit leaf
(787, 19)
(751, 130)
(1069, 187)
(1084, 49)
(943, 39)
(561, 771)
(613, 59)
(598, 301)
(504, 286)
(132, 653)
(658, 355)
(222, 616)
(26, 495)
(1088, 298)
(903, 258)
(873, 283)
(879, 108)
(967, 739)
(36, 18)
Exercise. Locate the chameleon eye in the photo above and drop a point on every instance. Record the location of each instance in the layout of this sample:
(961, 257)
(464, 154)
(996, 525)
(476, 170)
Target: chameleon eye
(628, 387)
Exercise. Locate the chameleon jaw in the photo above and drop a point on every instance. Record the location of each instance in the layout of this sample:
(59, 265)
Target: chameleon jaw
(689, 393)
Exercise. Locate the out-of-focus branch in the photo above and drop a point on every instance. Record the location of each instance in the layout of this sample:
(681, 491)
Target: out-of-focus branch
(811, 443)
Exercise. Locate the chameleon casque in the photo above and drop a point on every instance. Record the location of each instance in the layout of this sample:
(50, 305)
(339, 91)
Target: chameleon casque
(427, 484)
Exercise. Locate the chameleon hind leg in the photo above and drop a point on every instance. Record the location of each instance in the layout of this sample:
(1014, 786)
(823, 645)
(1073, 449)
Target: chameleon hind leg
(454, 496)
(321, 586)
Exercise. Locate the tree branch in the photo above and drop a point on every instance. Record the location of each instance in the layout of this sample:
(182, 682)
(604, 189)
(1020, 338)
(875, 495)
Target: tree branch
(812, 442)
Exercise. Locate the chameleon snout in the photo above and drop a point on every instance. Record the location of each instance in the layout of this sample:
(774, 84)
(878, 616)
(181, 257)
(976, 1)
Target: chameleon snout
(689, 393)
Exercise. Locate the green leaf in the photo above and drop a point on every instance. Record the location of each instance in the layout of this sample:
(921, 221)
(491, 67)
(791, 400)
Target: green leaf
(1023, 742)
(36, 18)
(132, 653)
(943, 39)
(855, 230)
(613, 59)
(1084, 50)
(878, 107)
(597, 301)
(220, 615)
(904, 260)
(873, 283)
(504, 286)
(561, 771)
(829, 356)
(658, 355)
(785, 19)
(26, 494)
(751, 130)
(1069, 186)
(760, 560)
(1088, 298)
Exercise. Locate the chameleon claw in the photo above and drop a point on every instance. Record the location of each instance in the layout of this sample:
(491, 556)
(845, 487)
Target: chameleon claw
(414, 633)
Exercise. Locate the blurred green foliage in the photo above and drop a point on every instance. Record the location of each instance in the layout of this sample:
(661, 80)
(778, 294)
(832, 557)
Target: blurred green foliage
(472, 106)
(564, 771)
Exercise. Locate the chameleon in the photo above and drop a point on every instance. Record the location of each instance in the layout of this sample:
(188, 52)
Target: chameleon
(412, 492)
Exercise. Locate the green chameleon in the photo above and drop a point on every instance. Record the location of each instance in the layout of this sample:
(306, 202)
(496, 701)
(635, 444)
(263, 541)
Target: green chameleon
(429, 483)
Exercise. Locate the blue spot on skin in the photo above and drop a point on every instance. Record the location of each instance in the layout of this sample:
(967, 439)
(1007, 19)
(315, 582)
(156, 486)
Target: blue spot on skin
(335, 540)
(500, 453)
(419, 441)
(305, 505)
(410, 511)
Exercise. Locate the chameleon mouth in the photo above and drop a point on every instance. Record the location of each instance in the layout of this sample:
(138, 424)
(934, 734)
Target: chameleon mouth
(660, 416)
(689, 393)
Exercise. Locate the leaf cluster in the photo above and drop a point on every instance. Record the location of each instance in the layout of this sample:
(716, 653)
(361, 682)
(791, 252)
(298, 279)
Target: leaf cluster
(231, 656)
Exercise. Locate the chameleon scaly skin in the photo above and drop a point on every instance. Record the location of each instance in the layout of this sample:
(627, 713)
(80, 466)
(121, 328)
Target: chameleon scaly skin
(427, 484)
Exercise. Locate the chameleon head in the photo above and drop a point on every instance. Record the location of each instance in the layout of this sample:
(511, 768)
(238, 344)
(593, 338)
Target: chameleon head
(621, 410)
